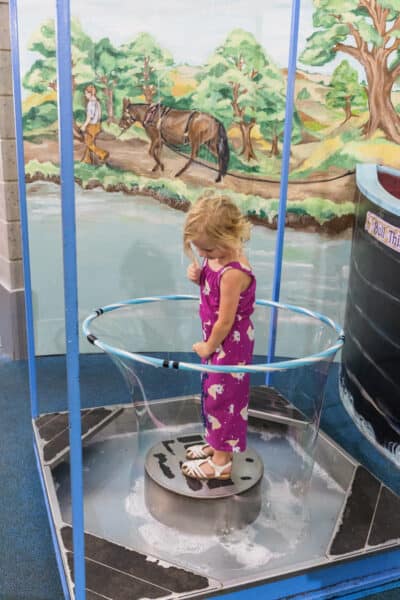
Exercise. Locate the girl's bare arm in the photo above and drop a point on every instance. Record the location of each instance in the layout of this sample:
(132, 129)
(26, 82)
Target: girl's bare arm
(194, 269)
(193, 273)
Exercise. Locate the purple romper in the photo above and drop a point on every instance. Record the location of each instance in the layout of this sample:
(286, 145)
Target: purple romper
(225, 396)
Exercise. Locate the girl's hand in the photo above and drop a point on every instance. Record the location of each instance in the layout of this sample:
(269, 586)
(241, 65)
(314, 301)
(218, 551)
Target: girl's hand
(193, 273)
(202, 349)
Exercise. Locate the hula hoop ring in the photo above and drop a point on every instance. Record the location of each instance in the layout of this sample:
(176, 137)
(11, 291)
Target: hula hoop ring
(173, 364)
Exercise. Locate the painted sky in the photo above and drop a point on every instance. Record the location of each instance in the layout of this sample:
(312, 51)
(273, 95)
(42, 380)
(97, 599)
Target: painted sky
(189, 29)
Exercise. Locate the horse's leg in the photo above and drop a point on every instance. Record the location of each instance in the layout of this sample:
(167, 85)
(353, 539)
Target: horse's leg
(158, 164)
(151, 152)
(193, 154)
(157, 153)
(212, 146)
(154, 151)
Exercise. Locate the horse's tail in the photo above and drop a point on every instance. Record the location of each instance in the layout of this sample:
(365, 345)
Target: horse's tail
(223, 151)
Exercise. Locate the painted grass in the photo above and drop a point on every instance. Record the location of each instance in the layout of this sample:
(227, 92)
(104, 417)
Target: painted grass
(321, 209)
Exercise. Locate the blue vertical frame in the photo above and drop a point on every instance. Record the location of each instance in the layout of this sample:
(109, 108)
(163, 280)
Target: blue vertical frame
(285, 168)
(19, 139)
(72, 346)
(30, 338)
(65, 119)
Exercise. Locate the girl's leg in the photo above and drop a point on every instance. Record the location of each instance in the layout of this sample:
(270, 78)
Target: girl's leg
(221, 458)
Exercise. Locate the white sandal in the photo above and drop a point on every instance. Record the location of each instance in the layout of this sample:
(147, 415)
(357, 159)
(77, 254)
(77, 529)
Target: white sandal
(195, 452)
(192, 468)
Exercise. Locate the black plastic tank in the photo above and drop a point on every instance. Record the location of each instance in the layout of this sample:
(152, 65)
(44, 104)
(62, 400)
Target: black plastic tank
(370, 370)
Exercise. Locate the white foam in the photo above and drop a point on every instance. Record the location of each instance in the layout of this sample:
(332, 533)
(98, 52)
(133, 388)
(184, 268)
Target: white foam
(158, 537)
(267, 436)
(250, 554)
(134, 503)
(284, 513)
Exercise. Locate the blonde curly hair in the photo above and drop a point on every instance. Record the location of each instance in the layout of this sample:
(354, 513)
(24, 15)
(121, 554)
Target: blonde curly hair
(219, 219)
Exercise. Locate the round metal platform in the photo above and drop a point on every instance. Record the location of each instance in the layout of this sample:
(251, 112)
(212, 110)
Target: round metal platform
(163, 465)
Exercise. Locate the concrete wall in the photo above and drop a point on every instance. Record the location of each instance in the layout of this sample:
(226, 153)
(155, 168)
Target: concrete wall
(12, 318)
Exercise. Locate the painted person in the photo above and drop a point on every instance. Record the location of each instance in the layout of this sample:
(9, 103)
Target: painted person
(91, 128)
(218, 230)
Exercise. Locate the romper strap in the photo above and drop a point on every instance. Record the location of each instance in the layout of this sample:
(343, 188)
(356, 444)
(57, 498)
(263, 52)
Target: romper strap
(238, 266)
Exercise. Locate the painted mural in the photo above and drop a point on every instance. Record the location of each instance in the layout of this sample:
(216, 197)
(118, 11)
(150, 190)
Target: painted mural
(146, 121)
(172, 100)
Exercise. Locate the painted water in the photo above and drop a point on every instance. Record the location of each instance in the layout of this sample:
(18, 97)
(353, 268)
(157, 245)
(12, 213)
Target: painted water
(131, 246)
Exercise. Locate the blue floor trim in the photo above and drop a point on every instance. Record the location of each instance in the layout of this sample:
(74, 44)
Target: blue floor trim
(335, 581)
(377, 592)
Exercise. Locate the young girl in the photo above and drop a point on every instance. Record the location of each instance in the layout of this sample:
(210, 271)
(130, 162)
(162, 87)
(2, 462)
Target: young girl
(217, 229)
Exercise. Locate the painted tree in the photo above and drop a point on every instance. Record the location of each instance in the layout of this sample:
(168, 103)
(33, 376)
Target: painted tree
(271, 119)
(42, 75)
(147, 69)
(369, 31)
(108, 63)
(346, 92)
(235, 85)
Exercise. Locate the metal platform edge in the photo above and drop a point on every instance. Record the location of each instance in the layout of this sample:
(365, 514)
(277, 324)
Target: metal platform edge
(50, 500)
(316, 580)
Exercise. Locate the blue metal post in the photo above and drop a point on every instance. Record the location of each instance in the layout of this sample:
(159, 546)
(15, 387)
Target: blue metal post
(65, 119)
(287, 139)
(30, 335)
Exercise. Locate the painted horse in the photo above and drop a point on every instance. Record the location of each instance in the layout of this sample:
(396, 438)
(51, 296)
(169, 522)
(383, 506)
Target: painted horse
(175, 127)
